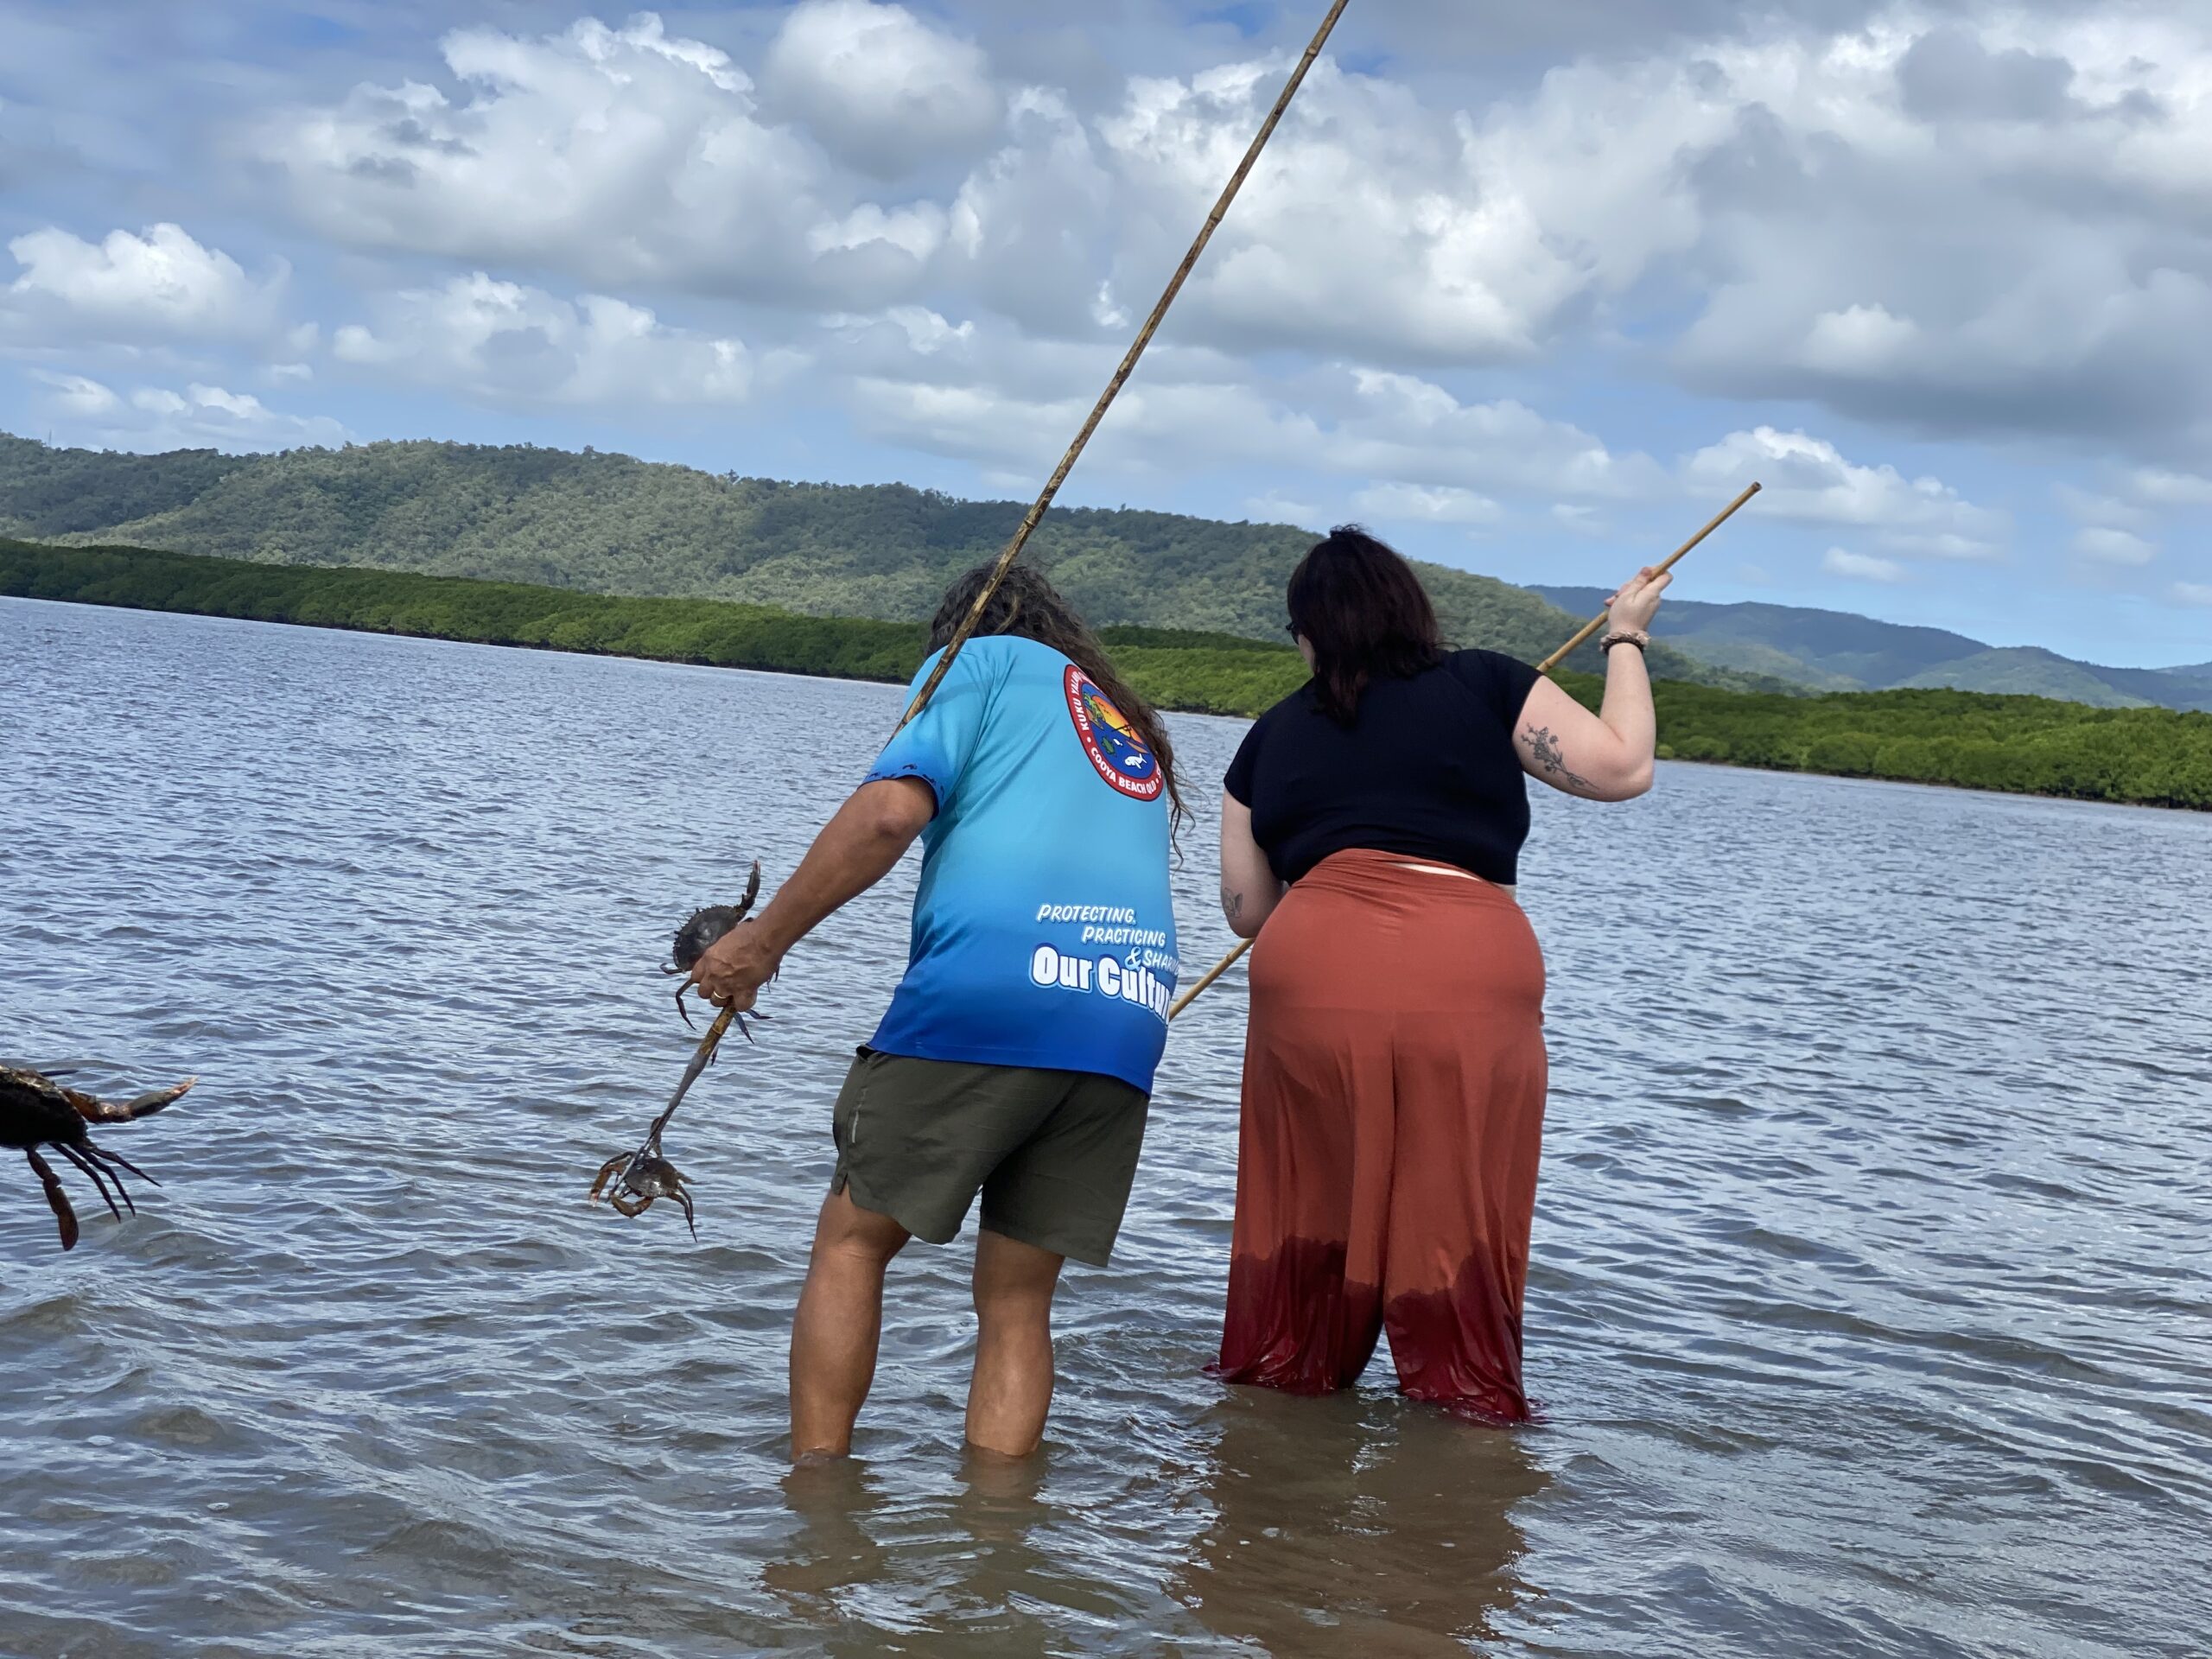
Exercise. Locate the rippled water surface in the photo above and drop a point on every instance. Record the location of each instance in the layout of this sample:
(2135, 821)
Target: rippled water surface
(1873, 1298)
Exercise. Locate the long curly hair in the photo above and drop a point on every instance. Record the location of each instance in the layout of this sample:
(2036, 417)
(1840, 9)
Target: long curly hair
(1026, 605)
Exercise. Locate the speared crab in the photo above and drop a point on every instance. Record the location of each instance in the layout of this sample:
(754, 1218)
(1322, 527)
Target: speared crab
(36, 1111)
(646, 1176)
(697, 936)
(632, 1180)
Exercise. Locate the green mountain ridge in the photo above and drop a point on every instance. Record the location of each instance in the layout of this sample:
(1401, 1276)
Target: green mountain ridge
(1839, 650)
(608, 523)
(2027, 671)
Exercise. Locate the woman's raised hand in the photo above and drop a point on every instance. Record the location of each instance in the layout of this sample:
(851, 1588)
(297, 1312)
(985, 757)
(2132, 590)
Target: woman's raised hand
(1637, 602)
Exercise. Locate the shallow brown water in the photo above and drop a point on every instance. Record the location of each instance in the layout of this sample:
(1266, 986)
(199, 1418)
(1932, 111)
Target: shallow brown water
(1872, 1305)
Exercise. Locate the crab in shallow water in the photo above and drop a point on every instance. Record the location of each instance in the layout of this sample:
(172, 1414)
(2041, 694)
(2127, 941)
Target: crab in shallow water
(36, 1111)
(648, 1176)
(633, 1181)
(697, 936)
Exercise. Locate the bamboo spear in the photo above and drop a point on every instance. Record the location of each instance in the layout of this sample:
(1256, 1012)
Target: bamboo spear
(1544, 667)
(1036, 512)
(1030, 520)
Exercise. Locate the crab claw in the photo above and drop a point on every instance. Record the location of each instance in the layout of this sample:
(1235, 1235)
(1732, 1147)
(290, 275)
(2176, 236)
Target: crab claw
(95, 1110)
(606, 1173)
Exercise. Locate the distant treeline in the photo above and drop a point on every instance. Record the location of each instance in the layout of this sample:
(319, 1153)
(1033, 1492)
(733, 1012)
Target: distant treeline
(448, 608)
(2024, 745)
(2028, 745)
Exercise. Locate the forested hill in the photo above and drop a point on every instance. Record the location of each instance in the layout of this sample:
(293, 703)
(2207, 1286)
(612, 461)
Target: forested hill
(1836, 651)
(608, 523)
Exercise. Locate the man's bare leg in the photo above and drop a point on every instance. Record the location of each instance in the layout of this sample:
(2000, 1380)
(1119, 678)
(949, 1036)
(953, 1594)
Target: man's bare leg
(840, 1318)
(1012, 1388)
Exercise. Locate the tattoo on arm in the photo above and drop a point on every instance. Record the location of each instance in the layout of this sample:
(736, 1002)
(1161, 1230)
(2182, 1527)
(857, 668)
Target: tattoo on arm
(1544, 749)
(1232, 904)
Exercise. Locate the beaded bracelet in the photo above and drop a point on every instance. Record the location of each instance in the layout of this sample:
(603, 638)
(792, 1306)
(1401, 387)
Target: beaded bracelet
(1639, 640)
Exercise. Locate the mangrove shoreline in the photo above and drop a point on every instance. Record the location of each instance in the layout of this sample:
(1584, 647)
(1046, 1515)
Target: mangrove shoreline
(2014, 745)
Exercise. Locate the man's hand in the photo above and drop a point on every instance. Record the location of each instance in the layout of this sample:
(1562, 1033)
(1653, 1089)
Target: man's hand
(855, 850)
(735, 967)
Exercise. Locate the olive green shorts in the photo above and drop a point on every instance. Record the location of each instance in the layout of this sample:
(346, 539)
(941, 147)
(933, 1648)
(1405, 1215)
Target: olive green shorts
(1053, 1152)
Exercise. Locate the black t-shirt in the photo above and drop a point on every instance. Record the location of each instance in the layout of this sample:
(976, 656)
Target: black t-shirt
(1428, 768)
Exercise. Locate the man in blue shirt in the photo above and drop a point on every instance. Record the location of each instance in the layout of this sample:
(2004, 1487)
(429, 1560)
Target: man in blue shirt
(1016, 1058)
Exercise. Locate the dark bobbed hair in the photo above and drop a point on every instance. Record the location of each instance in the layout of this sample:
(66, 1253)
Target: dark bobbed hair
(1364, 612)
(1026, 605)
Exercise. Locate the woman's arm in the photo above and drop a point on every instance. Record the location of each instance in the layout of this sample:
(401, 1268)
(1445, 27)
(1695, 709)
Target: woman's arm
(1606, 756)
(1250, 890)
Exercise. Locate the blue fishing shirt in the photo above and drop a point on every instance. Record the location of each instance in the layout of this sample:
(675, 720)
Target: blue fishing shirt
(1043, 934)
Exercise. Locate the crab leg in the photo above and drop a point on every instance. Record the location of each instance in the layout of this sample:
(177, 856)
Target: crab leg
(56, 1198)
(109, 1156)
(105, 1161)
(99, 1181)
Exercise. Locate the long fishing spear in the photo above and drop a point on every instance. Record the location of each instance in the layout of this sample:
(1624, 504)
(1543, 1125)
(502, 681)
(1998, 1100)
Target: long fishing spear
(1036, 513)
(1544, 667)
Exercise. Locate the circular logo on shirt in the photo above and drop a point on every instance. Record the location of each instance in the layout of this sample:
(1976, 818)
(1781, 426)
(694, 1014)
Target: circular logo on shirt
(1115, 750)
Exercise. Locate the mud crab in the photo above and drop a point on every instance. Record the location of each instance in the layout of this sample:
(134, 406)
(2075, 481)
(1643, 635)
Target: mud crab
(697, 936)
(648, 1176)
(631, 1182)
(36, 1111)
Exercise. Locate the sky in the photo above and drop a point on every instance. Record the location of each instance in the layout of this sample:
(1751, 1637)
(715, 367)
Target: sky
(1532, 291)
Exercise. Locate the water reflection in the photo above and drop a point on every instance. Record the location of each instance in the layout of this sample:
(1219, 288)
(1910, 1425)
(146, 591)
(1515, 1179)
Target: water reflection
(1356, 1524)
(833, 1549)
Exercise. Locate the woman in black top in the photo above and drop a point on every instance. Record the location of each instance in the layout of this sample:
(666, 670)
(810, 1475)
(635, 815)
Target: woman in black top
(1394, 1070)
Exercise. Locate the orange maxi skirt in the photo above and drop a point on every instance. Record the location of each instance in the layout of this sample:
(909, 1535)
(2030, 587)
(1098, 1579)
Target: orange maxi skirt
(1393, 1115)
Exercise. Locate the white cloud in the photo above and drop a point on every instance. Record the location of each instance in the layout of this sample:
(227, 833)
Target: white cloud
(1862, 338)
(623, 156)
(2108, 546)
(502, 342)
(1431, 505)
(1984, 227)
(1274, 508)
(1374, 223)
(2088, 507)
(161, 284)
(153, 418)
(1863, 229)
(1030, 230)
(2193, 592)
(880, 88)
(1402, 427)
(1860, 567)
(980, 396)
(1992, 224)
(76, 395)
(2169, 489)
(1807, 481)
